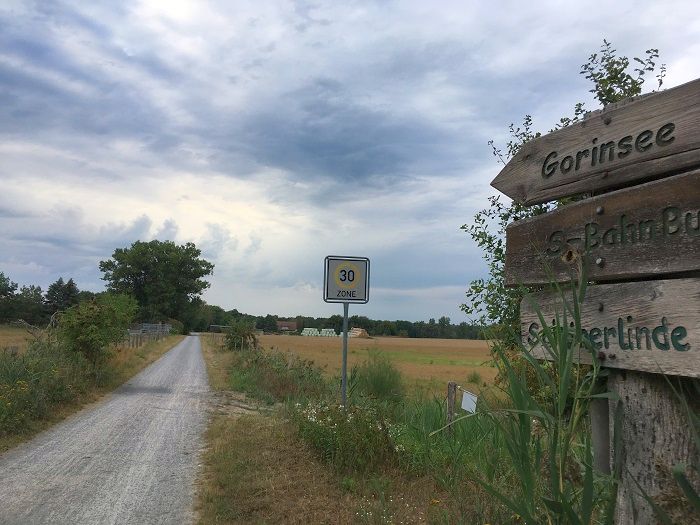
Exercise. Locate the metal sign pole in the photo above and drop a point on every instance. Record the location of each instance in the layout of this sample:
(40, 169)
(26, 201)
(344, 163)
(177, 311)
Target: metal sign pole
(344, 383)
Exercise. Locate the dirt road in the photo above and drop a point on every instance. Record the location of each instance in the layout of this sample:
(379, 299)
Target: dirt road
(132, 458)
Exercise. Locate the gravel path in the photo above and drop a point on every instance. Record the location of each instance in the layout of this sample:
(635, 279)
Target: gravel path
(132, 458)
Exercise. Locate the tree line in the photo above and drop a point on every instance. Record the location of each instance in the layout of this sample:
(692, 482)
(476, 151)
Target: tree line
(167, 280)
(442, 328)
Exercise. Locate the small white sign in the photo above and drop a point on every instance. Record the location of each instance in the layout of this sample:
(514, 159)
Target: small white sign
(346, 279)
(469, 402)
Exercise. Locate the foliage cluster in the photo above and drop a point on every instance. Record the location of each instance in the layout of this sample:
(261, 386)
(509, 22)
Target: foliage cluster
(166, 279)
(376, 378)
(90, 327)
(31, 383)
(32, 305)
(274, 377)
(240, 335)
(353, 440)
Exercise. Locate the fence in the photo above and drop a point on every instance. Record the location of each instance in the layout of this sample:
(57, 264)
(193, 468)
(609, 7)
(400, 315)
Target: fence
(150, 328)
(137, 339)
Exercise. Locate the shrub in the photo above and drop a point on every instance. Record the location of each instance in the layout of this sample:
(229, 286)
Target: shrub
(354, 440)
(30, 383)
(276, 376)
(91, 326)
(241, 336)
(377, 378)
(474, 377)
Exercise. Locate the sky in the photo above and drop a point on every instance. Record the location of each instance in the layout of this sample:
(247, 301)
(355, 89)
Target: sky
(274, 133)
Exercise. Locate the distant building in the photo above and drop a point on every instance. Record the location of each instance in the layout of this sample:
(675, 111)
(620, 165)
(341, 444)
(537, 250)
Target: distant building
(286, 326)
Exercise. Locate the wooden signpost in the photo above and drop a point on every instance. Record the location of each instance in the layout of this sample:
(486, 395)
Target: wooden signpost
(647, 330)
(651, 326)
(622, 145)
(645, 231)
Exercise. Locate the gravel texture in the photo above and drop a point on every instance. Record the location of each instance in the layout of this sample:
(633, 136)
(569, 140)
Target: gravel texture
(132, 458)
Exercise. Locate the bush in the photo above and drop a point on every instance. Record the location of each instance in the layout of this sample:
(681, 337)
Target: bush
(276, 376)
(91, 326)
(354, 440)
(30, 383)
(241, 336)
(377, 378)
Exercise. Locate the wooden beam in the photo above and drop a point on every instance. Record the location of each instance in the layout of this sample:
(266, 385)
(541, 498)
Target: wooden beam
(624, 144)
(647, 230)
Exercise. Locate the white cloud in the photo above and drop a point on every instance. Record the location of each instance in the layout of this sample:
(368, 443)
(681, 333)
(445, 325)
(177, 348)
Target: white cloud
(274, 133)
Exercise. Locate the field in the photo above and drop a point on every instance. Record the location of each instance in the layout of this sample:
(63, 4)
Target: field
(426, 363)
(11, 336)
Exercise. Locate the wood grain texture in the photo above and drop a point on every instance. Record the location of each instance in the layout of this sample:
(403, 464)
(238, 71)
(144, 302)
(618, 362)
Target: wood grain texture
(615, 231)
(522, 178)
(655, 436)
(650, 313)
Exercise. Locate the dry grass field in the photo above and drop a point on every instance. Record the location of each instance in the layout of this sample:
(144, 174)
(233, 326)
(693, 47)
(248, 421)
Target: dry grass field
(12, 336)
(426, 363)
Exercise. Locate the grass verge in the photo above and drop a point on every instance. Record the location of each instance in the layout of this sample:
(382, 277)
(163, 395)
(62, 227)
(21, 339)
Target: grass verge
(378, 459)
(41, 387)
(257, 472)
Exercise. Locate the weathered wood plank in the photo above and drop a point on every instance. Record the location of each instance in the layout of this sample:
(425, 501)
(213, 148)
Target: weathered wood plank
(656, 435)
(650, 326)
(652, 229)
(619, 146)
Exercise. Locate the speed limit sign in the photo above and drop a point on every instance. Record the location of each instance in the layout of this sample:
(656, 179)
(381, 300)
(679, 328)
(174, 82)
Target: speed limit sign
(346, 279)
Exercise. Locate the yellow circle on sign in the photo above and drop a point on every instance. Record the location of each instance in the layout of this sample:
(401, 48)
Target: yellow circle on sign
(346, 276)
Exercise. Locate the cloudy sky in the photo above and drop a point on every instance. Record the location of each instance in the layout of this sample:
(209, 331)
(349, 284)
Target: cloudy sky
(274, 133)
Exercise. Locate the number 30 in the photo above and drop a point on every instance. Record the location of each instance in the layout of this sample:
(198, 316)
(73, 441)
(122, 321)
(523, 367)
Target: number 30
(347, 275)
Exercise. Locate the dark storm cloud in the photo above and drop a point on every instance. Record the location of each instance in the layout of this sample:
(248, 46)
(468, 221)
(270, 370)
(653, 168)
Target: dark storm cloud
(316, 133)
(368, 120)
(57, 93)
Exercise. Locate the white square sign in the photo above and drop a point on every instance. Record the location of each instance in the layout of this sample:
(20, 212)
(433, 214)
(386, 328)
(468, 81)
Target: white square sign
(468, 402)
(346, 279)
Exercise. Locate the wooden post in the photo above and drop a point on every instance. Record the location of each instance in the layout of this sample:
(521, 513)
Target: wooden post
(451, 397)
(600, 434)
(655, 436)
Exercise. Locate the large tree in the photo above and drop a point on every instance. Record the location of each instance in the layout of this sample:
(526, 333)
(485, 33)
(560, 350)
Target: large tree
(163, 277)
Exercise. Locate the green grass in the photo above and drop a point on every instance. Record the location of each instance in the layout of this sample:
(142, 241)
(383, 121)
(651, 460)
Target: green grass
(273, 377)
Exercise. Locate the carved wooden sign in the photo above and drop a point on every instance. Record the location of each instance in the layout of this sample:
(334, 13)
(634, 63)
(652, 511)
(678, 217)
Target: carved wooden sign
(622, 145)
(651, 326)
(648, 230)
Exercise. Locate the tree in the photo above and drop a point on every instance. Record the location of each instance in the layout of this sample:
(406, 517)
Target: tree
(7, 295)
(267, 323)
(163, 277)
(91, 326)
(29, 305)
(445, 330)
(61, 295)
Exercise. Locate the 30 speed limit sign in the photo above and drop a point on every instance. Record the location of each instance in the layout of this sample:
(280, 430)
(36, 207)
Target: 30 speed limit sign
(346, 279)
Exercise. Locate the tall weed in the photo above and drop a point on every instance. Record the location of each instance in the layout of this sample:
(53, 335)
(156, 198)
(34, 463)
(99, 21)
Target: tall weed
(275, 377)
(30, 383)
(547, 438)
(377, 378)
